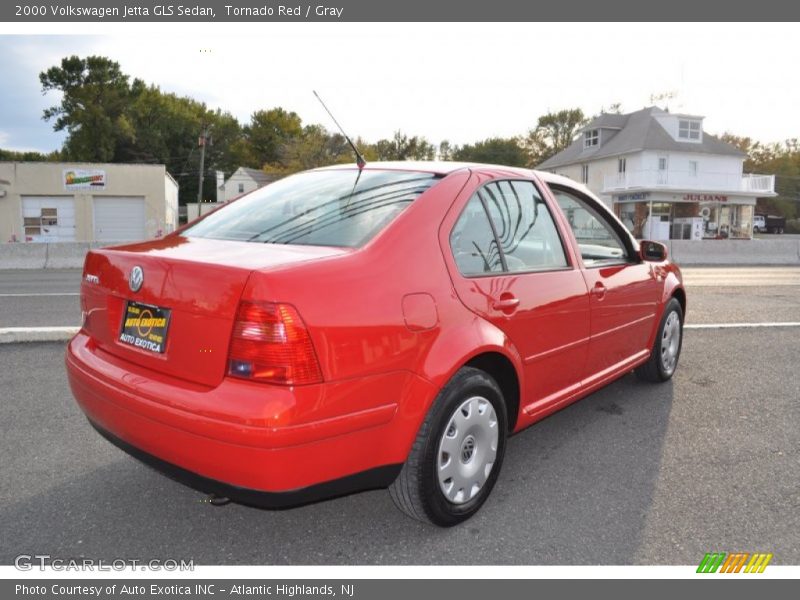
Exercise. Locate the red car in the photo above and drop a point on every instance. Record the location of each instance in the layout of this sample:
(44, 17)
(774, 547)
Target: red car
(345, 329)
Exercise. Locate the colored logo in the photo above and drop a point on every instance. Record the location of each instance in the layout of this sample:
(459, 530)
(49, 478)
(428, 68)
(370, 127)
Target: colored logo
(737, 562)
(79, 179)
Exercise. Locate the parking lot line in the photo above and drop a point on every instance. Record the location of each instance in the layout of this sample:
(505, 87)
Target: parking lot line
(11, 335)
(740, 325)
(30, 295)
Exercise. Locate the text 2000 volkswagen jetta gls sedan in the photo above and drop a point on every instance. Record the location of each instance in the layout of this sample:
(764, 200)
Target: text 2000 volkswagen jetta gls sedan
(345, 329)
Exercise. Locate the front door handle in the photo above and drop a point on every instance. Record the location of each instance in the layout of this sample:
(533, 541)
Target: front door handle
(506, 303)
(599, 290)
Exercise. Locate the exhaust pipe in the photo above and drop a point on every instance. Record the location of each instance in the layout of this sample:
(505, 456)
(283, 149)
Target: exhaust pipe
(215, 500)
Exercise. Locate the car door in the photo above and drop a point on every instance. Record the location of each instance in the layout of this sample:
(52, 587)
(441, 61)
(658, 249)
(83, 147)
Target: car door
(623, 289)
(511, 267)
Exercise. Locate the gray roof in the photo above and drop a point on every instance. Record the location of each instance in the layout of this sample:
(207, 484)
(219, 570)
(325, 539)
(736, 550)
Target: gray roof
(634, 132)
(258, 175)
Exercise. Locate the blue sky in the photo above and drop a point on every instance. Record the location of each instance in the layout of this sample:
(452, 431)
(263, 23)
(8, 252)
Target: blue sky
(21, 102)
(462, 82)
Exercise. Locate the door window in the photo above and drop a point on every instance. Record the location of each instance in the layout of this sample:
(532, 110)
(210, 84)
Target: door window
(520, 237)
(599, 242)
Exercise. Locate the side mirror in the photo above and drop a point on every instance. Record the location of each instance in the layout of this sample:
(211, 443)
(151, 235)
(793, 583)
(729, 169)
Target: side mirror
(652, 251)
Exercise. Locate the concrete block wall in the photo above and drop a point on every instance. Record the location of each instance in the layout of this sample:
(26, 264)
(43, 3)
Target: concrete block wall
(778, 251)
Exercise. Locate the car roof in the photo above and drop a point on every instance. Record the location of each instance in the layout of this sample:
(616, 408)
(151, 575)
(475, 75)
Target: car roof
(441, 167)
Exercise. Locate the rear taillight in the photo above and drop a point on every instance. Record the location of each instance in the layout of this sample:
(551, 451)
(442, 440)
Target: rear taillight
(270, 343)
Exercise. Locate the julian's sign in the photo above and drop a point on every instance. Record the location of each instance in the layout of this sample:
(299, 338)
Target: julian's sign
(704, 198)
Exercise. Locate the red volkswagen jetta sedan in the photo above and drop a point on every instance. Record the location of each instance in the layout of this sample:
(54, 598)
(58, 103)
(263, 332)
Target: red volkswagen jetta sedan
(346, 329)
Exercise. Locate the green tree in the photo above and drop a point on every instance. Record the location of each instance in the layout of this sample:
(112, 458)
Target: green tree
(553, 133)
(167, 129)
(28, 156)
(93, 107)
(269, 130)
(498, 151)
(403, 147)
(780, 159)
(315, 147)
(446, 150)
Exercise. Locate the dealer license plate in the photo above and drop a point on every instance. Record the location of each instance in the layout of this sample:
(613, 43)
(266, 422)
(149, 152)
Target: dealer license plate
(145, 326)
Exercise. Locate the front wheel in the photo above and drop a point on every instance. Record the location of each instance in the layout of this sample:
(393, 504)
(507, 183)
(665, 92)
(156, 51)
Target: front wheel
(456, 457)
(667, 347)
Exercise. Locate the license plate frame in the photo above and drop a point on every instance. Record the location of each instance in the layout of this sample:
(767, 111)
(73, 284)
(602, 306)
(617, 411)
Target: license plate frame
(145, 327)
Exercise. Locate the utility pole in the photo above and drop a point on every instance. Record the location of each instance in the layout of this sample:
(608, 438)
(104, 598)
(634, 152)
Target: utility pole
(202, 141)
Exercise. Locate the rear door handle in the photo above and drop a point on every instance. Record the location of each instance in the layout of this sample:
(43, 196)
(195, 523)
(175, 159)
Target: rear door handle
(506, 303)
(599, 290)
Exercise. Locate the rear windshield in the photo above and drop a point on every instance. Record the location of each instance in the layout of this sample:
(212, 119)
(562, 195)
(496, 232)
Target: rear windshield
(317, 208)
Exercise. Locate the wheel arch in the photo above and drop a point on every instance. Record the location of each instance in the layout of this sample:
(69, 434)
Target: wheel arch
(502, 370)
(490, 351)
(680, 295)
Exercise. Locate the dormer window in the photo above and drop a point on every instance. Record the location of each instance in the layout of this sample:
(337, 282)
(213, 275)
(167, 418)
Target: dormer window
(689, 130)
(591, 138)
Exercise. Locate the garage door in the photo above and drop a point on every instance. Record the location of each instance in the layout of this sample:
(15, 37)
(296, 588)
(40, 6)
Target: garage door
(118, 218)
(48, 218)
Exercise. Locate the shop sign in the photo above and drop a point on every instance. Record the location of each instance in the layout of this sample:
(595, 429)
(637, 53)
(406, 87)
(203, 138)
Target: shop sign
(704, 198)
(84, 179)
(633, 197)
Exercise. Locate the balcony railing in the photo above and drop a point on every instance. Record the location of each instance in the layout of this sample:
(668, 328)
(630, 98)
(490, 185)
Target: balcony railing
(685, 180)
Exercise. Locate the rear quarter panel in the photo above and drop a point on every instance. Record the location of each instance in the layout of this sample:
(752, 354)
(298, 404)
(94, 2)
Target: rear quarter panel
(353, 307)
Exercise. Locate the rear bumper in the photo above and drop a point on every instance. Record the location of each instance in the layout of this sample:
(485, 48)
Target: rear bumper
(375, 478)
(297, 452)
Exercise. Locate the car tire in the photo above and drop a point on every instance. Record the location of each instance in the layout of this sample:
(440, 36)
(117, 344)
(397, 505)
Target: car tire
(462, 440)
(666, 349)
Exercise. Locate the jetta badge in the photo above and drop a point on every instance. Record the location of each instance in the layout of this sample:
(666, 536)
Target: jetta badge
(136, 278)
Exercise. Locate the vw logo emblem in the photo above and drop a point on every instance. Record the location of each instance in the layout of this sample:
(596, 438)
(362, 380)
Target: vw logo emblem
(136, 278)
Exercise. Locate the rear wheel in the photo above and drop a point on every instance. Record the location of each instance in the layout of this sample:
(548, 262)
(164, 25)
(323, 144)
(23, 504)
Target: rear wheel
(667, 346)
(455, 460)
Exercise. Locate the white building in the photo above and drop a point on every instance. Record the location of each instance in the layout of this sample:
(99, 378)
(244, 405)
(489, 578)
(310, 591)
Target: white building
(664, 176)
(85, 202)
(242, 181)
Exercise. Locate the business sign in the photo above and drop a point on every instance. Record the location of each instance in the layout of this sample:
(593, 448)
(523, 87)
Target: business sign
(84, 179)
(634, 197)
(704, 198)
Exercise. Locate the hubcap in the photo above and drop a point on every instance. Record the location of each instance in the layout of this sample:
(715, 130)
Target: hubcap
(467, 450)
(670, 342)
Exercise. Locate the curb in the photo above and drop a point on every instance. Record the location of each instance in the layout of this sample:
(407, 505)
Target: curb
(13, 335)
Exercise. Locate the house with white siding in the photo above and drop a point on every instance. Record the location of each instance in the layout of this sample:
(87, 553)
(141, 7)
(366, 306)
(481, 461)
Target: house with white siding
(242, 181)
(664, 176)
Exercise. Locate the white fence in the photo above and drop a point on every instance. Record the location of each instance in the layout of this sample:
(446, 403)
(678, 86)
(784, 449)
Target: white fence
(684, 180)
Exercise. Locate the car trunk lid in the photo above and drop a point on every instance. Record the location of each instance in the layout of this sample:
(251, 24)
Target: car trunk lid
(198, 282)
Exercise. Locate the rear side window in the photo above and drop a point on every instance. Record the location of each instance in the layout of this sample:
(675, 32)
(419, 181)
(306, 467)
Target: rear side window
(474, 246)
(520, 237)
(342, 207)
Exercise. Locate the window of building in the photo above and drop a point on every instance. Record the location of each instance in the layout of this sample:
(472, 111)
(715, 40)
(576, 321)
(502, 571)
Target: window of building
(584, 173)
(622, 165)
(241, 188)
(662, 163)
(521, 235)
(693, 168)
(48, 217)
(688, 130)
(591, 138)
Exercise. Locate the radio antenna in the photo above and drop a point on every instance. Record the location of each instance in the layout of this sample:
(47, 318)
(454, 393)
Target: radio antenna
(359, 157)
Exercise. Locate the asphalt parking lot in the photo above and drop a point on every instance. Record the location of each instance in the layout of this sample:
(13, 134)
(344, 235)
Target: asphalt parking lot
(634, 474)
